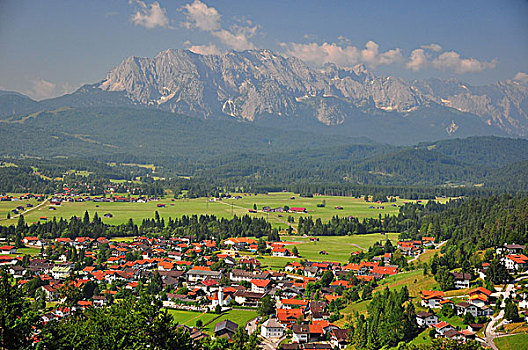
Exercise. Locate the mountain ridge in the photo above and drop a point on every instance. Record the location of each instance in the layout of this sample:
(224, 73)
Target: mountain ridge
(260, 86)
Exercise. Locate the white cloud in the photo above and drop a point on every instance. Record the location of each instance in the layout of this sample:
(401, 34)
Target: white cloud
(452, 60)
(521, 77)
(210, 49)
(417, 60)
(343, 55)
(150, 16)
(432, 47)
(206, 18)
(324, 53)
(237, 37)
(42, 89)
(370, 54)
(201, 16)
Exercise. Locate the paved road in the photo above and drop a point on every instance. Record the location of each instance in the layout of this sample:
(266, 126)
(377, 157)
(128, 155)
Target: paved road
(489, 332)
(437, 247)
(271, 343)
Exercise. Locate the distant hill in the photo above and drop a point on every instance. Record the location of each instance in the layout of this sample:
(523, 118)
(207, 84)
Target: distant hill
(490, 152)
(244, 152)
(14, 103)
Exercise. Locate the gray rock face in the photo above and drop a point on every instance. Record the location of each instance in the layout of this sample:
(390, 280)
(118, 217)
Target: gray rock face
(259, 83)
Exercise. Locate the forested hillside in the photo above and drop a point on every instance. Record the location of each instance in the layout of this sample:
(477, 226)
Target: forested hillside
(237, 153)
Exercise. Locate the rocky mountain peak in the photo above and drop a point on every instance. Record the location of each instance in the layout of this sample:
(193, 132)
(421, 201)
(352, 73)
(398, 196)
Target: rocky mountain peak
(258, 84)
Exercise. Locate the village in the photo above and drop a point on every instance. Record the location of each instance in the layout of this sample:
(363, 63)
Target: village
(297, 305)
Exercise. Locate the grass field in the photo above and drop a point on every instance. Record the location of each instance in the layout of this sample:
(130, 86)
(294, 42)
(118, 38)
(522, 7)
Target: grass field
(423, 338)
(227, 208)
(122, 239)
(337, 247)
(513, 342)
(7, 206)
(189, 318)
(414, 280)
(239, 316)
(30, 251)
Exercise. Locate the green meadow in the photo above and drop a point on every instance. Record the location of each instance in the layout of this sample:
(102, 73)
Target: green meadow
(512, 342)
(122, 212)
(189, 318)
(337, 247)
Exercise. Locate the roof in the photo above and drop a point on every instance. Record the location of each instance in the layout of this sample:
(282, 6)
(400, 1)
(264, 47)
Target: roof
(451, 333)
(300, 302)
(480, 290)
(261, 283)
(226, 324)
(340, 334)
(514, 246)
(272, 323)
(236, 240)
(430, 294)
(442, 324)
(385, 270)
(424, 314)
(297, 209)
(301, 329)
(203, 272)
(461, 275)
(518, 258)
(315, 329)
(209, 283)
(288, 315)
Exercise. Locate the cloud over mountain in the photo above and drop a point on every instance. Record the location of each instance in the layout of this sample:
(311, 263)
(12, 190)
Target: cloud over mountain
(150, 16)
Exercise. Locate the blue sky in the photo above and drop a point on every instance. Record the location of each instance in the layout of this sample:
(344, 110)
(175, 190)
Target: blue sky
(51, 47)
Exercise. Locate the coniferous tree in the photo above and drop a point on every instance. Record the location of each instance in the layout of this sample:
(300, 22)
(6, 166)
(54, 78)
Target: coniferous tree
(16, 316)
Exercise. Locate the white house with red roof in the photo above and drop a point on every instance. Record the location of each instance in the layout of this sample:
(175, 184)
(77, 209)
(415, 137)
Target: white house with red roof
(280, 251)
(432, 298)
(8, 249)
(32, 241)
(515, 261)
(443, 327)
(260, 286)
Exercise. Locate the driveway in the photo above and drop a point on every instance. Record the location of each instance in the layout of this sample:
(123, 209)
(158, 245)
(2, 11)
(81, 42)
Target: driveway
(271, 343)
(490, 333)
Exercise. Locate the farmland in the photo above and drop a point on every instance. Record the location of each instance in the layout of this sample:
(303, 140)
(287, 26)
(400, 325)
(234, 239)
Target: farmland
(123, 211)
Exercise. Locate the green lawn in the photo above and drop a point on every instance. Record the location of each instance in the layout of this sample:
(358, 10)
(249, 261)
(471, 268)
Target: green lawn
(414, 280)
(6, 207)
(423, 338)
(189, 318)
(337, 247)
(239, 316)
(275, 262)
(227, 208)
(455, 321)
(122, 239)
(513, 342)
(31, 251)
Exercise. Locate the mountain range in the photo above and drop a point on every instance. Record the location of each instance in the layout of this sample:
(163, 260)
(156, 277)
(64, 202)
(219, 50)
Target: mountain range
(266, 89)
